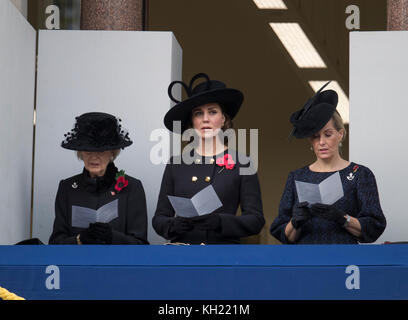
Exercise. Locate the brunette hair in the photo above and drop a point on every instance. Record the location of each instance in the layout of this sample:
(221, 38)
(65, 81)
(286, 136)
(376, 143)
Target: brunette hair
(227, 124)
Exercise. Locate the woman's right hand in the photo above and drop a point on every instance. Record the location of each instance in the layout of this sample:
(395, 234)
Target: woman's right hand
(88, 236)
(300, 214)
(180, 225)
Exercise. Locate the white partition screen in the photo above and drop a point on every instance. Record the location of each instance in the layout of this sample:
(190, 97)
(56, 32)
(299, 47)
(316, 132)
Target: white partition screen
(378, 120)
(17, 79)
(123, 73)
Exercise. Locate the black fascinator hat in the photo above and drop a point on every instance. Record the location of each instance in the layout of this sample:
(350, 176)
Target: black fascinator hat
(96, 132)
(315, 114)
(210, 91)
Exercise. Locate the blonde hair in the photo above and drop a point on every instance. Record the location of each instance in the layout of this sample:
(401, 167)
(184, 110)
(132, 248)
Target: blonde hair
(339, 124)
(115, 154)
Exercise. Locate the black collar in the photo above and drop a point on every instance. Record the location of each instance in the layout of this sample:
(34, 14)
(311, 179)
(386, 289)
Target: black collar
(100, 184)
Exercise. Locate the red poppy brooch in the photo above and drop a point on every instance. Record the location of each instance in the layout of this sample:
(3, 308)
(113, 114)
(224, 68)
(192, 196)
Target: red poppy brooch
(226, 162)
(121, 181)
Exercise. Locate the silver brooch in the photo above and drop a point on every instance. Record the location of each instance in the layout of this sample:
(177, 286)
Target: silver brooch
(350, 176)
(74, 185)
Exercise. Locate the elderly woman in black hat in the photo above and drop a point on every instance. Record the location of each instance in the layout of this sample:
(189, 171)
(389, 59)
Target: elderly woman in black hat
(101, 205)
(357, 215)
(209, 110)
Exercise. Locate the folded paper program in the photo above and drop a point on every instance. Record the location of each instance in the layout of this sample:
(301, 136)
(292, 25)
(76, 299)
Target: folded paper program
(204, 202)
(327, 192)
(82, 216)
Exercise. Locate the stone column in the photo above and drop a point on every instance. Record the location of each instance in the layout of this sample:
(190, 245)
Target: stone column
(397, 15)
(112, 15)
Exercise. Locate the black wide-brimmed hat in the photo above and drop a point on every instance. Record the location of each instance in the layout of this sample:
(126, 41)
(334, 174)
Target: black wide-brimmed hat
(315, 114)
(31, 241)
(210, 91)
(96, 131)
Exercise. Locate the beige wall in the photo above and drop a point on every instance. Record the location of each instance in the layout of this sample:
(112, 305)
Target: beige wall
(17, 79)
(232, 41)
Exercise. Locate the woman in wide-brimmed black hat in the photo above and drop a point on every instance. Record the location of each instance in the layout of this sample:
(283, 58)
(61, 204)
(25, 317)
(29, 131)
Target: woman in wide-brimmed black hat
(355, 217)
(102, 205)
(208, 111)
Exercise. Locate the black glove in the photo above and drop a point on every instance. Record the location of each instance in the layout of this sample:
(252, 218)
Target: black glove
(328, 212)
(102, 232)
(300, 214)
(210, 221)
(180, 225)
(88, 237)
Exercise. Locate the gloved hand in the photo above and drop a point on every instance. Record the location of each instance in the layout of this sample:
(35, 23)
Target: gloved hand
(210, 221)
(180, 225)
(328, 212)
(300, 214)
(102, 232)
(87, 236)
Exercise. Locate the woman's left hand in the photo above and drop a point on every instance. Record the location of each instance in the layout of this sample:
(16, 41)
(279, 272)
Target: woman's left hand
(101, 231)
(328, 212)
(210, 221)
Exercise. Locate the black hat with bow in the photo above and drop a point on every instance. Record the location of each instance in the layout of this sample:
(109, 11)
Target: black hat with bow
(210, 91)
(315, 114)
(96, 132)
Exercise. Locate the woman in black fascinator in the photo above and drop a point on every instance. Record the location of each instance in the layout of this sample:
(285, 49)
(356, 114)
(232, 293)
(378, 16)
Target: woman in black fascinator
(357, 215)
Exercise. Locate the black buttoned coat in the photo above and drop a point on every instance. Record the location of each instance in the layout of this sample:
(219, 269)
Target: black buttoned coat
(232, 187)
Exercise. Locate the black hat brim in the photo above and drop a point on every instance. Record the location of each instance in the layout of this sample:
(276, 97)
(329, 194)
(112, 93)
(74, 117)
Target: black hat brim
(230, 99)
(32, 241)
(78, 146)
(324, 112)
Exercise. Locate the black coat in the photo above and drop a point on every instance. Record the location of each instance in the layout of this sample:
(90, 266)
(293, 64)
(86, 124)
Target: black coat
(130, 227)
(233, 190)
